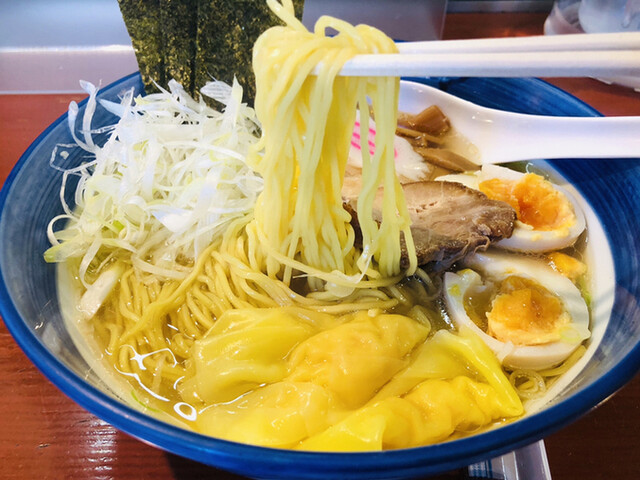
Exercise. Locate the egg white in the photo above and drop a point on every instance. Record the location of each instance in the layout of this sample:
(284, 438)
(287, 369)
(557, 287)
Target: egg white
(525, 238)
(498, 266)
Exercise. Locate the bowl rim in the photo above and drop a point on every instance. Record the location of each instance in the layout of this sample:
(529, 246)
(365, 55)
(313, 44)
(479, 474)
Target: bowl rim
(284, 463)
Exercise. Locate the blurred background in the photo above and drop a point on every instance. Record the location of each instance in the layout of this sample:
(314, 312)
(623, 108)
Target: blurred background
(46, 46)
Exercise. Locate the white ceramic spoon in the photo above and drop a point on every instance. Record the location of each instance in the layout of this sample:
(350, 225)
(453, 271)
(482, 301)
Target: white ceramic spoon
(506, 137)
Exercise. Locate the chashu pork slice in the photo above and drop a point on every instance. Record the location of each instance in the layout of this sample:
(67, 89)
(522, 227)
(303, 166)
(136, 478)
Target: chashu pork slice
(449, 220)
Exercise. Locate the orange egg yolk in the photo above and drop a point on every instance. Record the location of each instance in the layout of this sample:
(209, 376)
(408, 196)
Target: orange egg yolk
(525, 313)
(534, 199)
(570, 267)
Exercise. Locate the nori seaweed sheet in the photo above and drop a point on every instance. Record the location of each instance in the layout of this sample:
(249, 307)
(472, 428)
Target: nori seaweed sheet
(227, 31)
(194, 41)
(179, 20)
(142, 18)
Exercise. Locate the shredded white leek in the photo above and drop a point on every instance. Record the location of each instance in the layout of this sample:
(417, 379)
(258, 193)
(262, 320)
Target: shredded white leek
(169, 178)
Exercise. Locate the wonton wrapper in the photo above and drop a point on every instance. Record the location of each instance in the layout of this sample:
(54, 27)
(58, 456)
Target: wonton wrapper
(359, 383)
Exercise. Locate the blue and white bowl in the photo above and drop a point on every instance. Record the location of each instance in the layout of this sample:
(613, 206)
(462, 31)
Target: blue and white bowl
(30, 308)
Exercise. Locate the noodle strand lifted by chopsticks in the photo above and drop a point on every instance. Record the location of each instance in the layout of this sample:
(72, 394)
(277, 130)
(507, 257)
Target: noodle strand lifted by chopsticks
(299, 216)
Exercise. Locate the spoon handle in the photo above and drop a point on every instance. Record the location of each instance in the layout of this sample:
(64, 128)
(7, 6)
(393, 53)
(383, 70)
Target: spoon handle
(530, 137)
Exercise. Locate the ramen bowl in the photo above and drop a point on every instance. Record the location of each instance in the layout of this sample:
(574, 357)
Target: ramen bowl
(608, 191)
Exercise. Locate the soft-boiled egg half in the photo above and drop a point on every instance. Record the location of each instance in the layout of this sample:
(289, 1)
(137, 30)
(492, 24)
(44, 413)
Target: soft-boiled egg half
(549, 217)
(531, 316)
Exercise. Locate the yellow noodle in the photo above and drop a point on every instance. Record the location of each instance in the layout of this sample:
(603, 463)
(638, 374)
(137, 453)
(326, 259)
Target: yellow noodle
(181, 345)
(299, 218)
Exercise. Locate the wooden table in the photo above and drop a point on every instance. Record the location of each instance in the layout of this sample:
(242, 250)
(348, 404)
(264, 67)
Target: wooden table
(45, 435)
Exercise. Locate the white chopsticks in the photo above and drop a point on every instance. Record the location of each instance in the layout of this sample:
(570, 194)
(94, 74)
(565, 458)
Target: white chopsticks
(579, 55)
(540, 43)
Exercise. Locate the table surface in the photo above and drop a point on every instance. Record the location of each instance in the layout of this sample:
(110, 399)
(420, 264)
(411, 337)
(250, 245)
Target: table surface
(44, 435)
